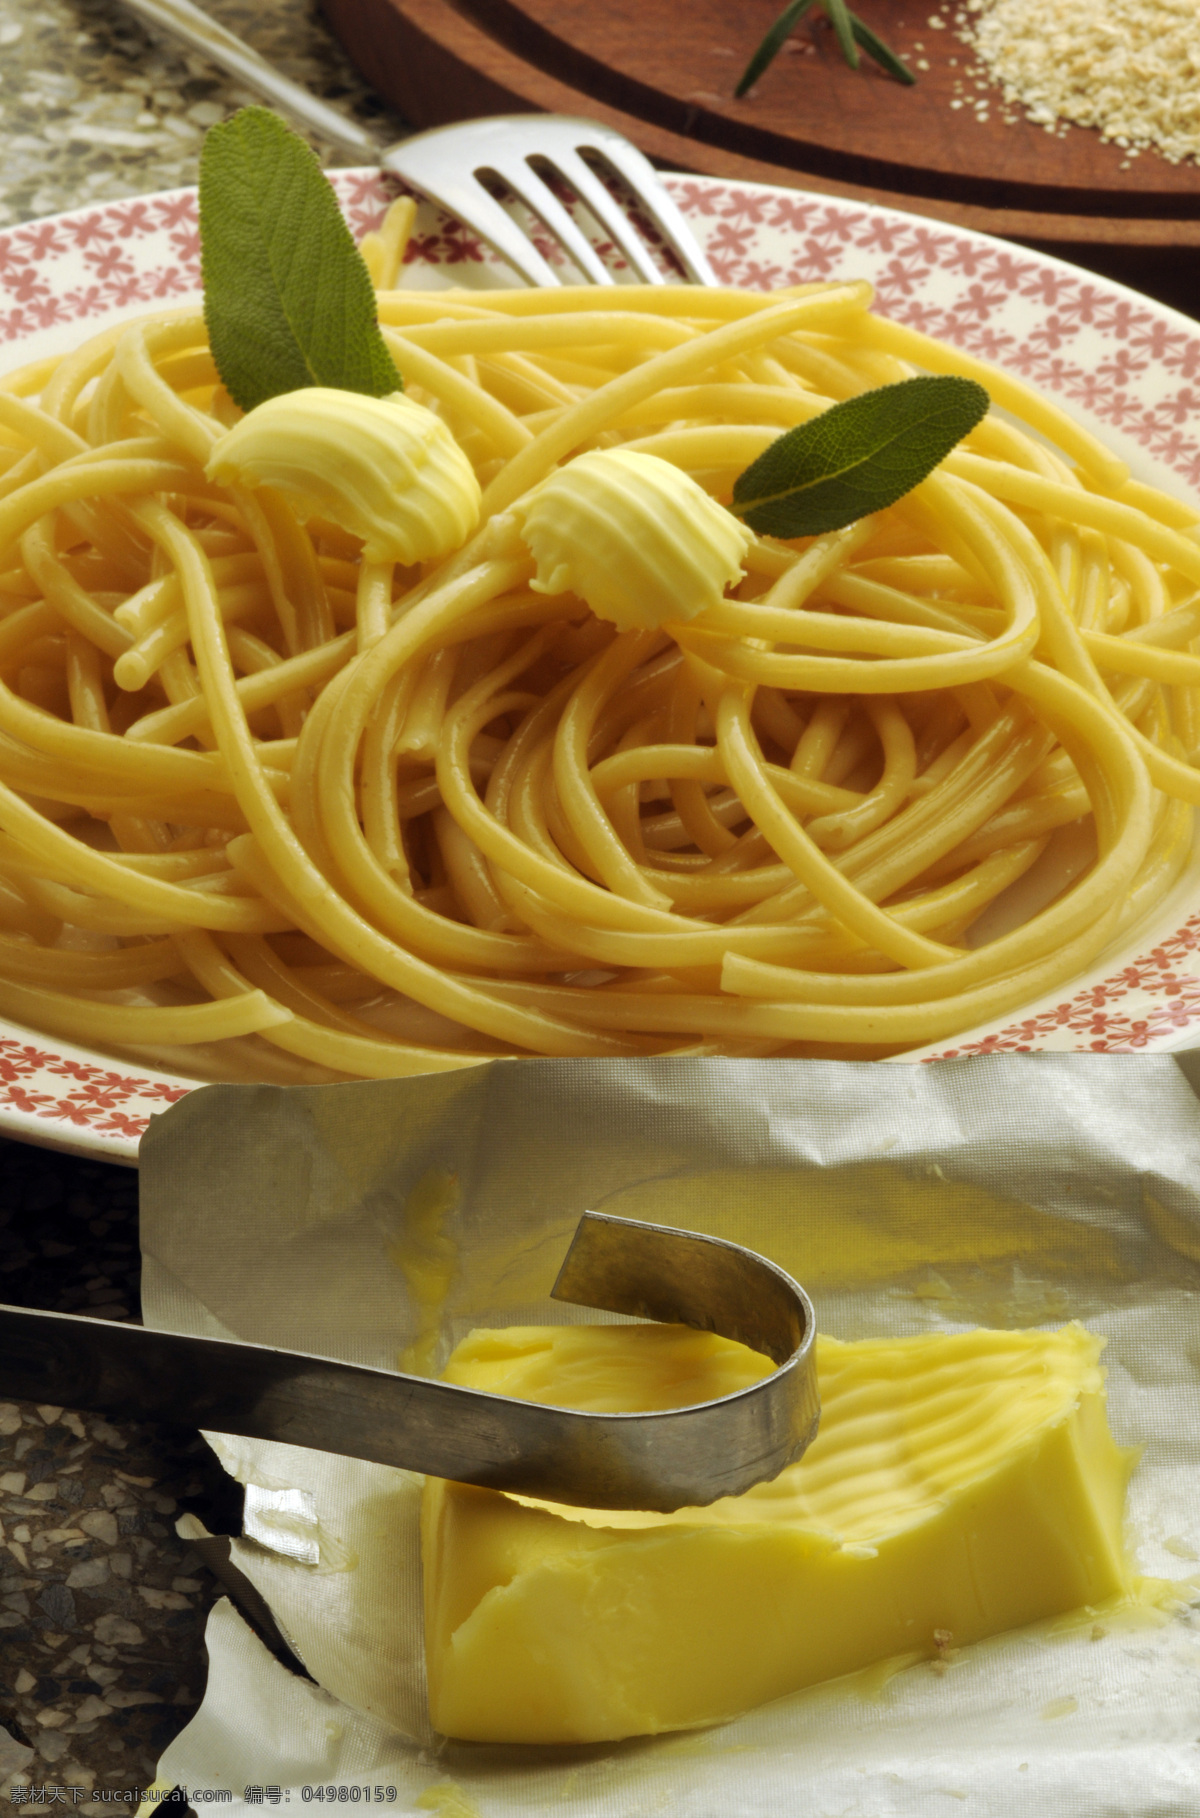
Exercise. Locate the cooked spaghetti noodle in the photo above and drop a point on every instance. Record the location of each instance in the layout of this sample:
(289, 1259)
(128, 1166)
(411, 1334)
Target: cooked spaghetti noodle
(391, 820)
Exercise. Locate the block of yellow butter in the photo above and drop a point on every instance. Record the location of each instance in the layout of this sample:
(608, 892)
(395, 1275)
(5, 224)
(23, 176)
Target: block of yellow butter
(960, 1485)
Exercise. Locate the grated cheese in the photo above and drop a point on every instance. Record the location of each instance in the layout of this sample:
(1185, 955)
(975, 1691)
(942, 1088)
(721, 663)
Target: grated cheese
(1130, 68)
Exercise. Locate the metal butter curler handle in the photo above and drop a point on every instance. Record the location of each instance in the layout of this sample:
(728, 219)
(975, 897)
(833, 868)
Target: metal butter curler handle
(670, 1459)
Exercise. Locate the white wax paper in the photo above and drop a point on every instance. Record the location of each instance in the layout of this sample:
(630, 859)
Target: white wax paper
(1009, 1190)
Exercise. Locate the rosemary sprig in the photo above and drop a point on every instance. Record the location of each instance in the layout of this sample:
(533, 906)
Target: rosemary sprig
(842, 21)
(850, 31)
(886, 58)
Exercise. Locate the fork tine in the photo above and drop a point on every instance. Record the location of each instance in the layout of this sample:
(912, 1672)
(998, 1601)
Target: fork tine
(609, 214)
(651, 193)
(531, 187)
(442, 164)
(466, 199)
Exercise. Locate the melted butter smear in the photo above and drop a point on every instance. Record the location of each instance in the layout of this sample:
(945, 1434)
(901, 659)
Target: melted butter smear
(428, 1259)
(447, 1799)
(854, 1227)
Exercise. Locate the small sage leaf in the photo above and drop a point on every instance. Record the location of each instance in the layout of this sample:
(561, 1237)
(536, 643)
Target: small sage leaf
(287, 297)
(857, 457)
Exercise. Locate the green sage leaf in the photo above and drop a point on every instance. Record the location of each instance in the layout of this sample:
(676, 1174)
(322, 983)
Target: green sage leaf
(287, 297)
(857, 457)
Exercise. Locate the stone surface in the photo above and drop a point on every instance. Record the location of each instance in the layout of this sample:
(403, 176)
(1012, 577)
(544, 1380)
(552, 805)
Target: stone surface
(102, 1607)
(94, 107)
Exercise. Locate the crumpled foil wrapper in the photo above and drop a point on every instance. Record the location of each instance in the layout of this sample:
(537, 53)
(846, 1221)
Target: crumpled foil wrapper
(1005, 1190)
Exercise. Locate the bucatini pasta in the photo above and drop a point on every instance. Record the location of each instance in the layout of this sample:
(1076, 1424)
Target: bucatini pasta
(390, 819)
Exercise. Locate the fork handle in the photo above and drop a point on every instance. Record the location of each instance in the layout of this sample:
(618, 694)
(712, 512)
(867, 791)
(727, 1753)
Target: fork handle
(196, 29)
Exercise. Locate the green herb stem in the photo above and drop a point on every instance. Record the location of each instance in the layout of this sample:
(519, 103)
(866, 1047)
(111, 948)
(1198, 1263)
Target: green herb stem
(839, 17)
(882, 53)
(773, 43)
(850, 30)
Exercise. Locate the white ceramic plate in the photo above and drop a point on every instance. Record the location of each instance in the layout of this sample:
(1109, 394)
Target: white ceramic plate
(1126, 366)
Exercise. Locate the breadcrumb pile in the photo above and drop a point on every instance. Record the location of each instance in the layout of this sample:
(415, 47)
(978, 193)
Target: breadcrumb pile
(1129, 68)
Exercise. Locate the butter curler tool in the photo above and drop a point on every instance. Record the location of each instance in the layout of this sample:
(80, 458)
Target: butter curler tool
(664, 1460)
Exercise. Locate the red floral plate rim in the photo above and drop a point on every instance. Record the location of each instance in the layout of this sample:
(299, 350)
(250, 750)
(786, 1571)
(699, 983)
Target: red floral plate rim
(1124, 364)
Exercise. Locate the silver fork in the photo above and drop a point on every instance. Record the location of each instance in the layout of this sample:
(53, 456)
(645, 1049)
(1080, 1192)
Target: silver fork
(517, 151)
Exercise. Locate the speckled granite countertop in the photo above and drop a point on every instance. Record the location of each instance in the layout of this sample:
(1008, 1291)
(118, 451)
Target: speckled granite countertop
(92, 107)
(102, 1608)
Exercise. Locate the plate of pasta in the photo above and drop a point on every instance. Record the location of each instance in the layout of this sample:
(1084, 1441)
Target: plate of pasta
(918, 787)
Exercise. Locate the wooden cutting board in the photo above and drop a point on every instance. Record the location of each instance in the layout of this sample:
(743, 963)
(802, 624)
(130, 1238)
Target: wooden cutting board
(664, 74)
